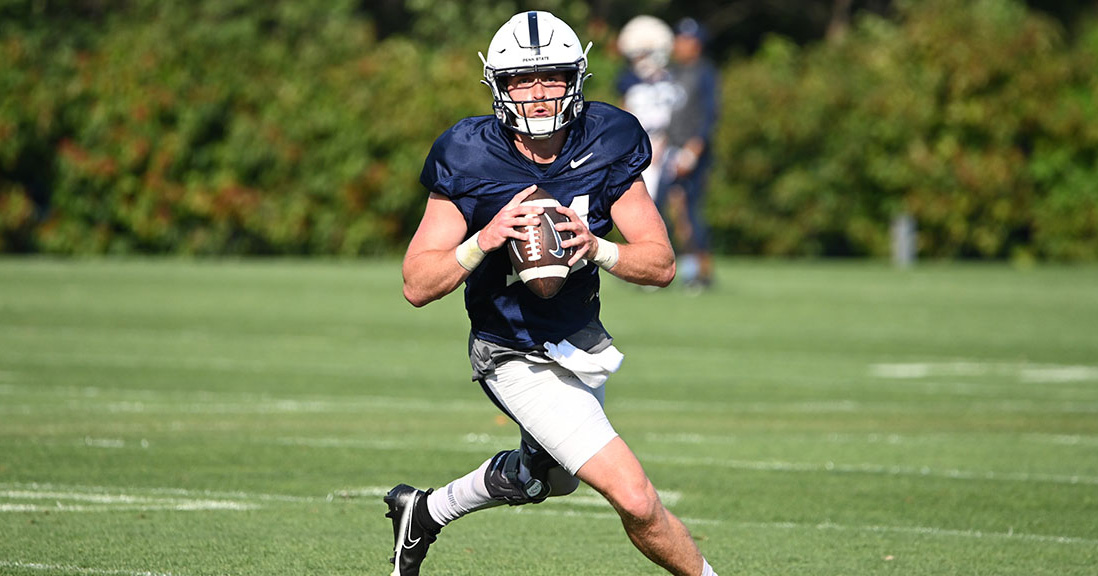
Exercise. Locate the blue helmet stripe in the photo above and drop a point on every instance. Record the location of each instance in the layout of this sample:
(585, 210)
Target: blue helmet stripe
(535, 38)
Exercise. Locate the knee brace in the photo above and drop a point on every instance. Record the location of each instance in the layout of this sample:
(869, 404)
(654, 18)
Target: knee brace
(502, 476)
(502, 480)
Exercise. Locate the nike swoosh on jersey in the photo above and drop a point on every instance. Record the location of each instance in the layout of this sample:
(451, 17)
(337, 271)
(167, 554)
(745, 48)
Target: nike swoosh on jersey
(577, 163)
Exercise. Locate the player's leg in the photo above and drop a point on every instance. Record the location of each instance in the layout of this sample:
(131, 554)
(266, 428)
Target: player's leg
(559, 412)
(617, 474)
(512, 477)
(695, 187)
(527, 475)
(523, 476)
(567, 418)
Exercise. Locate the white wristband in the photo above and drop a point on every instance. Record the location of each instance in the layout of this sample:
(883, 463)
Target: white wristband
(606, 256)
(469, 254)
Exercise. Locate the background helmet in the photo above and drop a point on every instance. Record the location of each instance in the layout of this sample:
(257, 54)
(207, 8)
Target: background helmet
(646, 41)
(535, 42)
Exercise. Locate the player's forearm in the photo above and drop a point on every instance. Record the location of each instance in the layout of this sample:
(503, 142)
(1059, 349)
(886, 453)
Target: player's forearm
(645, 263)
(431, 275)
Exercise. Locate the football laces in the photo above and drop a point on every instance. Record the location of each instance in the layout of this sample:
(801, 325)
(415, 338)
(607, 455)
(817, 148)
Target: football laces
(533, 247)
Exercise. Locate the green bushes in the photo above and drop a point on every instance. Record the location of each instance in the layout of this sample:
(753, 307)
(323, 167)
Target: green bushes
(288, 127)
(208, 128)
(978, 119)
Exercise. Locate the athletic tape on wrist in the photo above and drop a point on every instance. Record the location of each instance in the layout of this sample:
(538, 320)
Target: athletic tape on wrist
(606, 256)
(469, 254)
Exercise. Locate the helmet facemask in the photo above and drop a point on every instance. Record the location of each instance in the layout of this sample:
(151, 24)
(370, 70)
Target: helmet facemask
(512, 113)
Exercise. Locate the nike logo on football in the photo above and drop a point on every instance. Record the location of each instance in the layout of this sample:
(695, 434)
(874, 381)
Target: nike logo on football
(577, 163)
(557, 252)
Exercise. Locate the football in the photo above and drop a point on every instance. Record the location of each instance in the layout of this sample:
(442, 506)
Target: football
(541, 262)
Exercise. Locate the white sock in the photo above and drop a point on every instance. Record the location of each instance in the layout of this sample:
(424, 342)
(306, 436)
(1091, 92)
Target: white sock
(707, 570)
(460, 497)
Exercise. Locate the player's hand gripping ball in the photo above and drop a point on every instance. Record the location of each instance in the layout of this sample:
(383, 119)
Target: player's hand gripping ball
(540, 261)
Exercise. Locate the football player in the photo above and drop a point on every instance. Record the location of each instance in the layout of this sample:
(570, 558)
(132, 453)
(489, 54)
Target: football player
(542, 361)
(646, 87)
(689, 138)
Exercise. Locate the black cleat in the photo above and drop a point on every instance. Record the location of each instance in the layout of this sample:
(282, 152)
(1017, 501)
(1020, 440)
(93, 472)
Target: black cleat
(411, 538)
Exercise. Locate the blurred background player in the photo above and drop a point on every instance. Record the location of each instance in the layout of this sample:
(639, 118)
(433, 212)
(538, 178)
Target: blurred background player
(646, 87)
(689, 158)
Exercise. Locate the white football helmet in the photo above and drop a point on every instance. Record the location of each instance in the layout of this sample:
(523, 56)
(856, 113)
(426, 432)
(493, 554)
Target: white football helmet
(535, 42)
(646, 41)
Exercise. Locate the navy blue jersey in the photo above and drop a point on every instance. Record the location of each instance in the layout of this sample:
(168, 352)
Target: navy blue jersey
(476, 165)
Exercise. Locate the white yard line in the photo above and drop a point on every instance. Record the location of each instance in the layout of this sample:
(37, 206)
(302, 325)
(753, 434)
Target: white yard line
(95, 399)
(180, 507)
(198, 363)
(123, 401)
(985, 406)
(121, 492)
(99, 501)
(470, 443)
(908, 530)
(877, 469)
(69, 569)
(60, 498)
(366, 444)
(1064, 439)
(107, 442)
(104, 499)
(585, 497)
(756, 465)
(1021, 372)
(944, 532)
(875, 438)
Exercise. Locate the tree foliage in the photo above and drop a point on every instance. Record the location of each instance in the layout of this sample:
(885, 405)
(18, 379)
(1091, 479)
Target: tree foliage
(300, 126)
(212, 127)
(979, 121)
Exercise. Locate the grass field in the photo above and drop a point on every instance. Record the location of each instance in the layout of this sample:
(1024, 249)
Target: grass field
(245, 418)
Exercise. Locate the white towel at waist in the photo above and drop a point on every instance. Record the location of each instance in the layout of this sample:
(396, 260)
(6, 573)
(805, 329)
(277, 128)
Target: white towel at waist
(592, 369)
